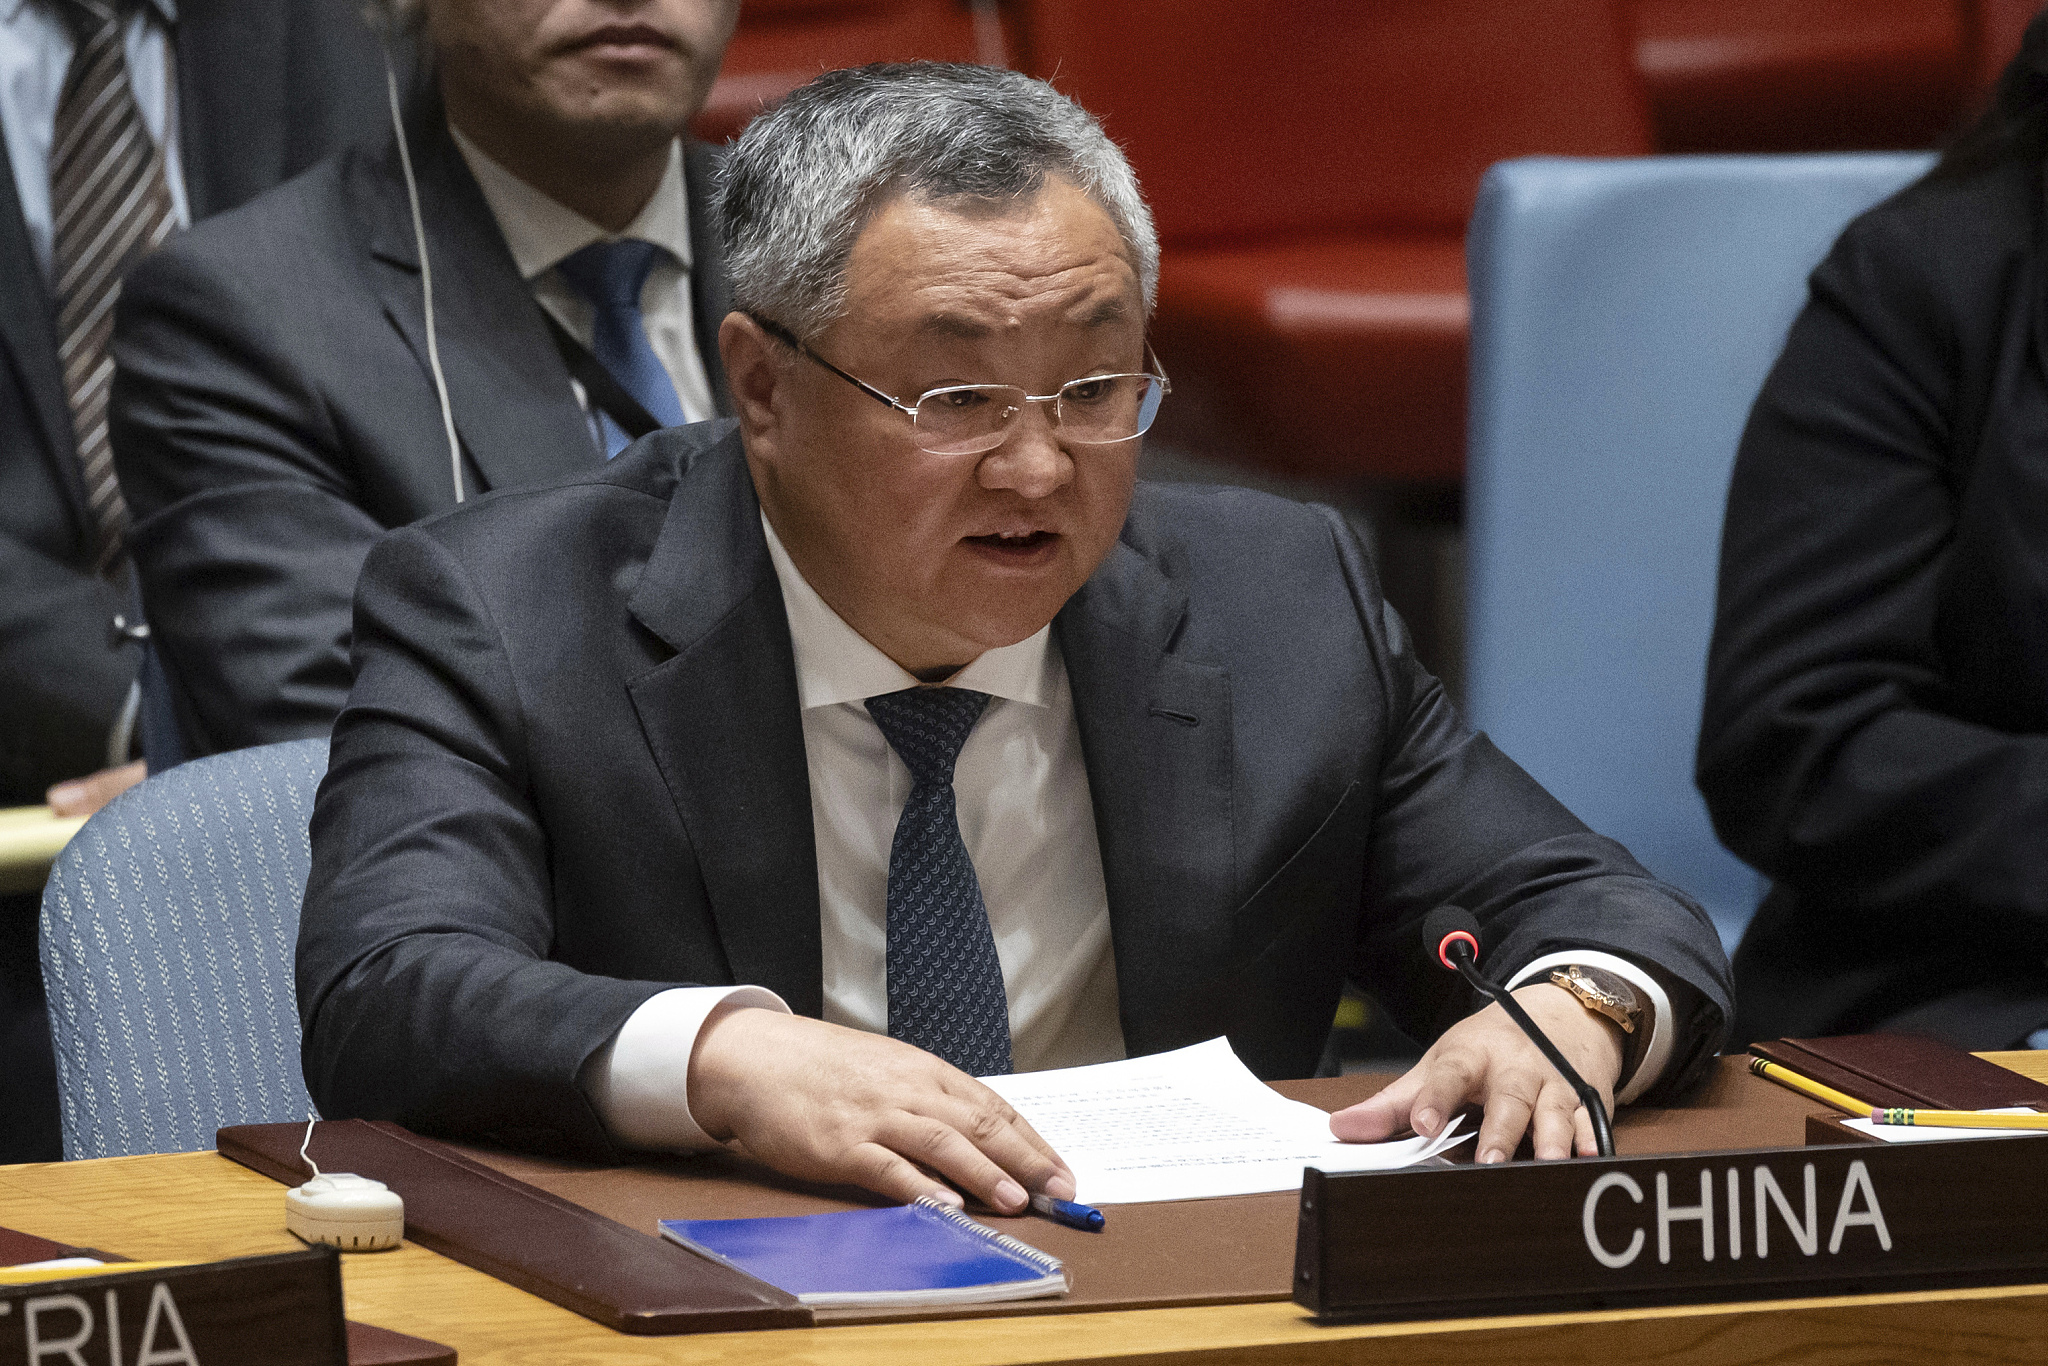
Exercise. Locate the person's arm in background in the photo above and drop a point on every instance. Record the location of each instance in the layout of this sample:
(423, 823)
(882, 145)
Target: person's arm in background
(62, 680)
(1830, 755)
(1458, 822)
(248, 532)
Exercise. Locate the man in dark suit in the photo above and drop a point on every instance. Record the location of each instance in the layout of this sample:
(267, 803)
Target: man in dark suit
(226, 98)
(277, 407)
(901, 716)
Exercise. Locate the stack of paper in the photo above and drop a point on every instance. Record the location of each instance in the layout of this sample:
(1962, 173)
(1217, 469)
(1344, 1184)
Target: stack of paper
(1189, 1125)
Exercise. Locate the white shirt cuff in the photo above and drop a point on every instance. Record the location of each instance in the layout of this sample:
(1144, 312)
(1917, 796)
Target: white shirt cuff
(639, 1082)
(1656, 1005)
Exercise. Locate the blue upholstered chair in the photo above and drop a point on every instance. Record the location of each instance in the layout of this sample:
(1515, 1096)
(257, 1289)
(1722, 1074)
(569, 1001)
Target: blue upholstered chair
(168, 930)
(1624, 314)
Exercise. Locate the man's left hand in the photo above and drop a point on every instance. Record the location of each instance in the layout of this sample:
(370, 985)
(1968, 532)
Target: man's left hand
(1487, 1060)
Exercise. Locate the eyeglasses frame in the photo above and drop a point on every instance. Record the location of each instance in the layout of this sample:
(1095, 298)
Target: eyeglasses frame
(797, 344)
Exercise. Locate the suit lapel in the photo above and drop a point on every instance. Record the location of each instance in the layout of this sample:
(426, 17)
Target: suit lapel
(710, 287)
(514, 409)
(1156, 735)
(28, 331)
(724, 724)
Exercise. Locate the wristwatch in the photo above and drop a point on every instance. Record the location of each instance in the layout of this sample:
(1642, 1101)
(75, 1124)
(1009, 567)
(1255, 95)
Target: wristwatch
(1606, 993)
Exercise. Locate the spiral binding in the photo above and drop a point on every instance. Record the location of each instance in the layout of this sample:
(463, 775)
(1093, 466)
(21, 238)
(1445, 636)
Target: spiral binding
(1043, 1260)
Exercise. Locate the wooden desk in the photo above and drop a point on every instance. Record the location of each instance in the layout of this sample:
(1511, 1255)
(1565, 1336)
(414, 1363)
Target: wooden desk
(31, 837)
(200, 1204)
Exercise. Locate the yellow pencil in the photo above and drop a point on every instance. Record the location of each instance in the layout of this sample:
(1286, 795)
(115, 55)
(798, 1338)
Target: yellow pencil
(33, 1275)
(1785, 1076)
(1959, 1119)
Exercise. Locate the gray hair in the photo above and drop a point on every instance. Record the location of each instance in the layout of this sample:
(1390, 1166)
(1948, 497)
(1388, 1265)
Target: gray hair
(807, 175)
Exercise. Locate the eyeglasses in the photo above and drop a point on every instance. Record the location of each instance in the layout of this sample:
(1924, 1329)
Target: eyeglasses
(967, 419)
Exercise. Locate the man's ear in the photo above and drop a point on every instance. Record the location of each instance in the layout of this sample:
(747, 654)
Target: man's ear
(753, 369)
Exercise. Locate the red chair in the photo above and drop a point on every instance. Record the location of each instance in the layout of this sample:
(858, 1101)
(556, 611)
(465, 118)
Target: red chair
(780, 44)
(1311, 164)
(1808, 75)
(1995, 37)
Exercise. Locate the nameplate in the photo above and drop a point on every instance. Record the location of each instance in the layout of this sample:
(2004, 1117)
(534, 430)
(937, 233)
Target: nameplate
(1543, 1237)
(282, 1310)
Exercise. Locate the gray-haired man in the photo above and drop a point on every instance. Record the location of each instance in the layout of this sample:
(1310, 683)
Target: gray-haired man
(925, 745)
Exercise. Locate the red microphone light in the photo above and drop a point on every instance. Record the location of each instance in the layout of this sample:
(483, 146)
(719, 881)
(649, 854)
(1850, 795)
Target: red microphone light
(1443, 948)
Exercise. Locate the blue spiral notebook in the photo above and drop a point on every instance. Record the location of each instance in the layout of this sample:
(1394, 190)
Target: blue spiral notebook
(924, 1253)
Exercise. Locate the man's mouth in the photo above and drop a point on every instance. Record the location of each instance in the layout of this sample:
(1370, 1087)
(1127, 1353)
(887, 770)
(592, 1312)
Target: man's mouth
(1015, 543)
(624, 38)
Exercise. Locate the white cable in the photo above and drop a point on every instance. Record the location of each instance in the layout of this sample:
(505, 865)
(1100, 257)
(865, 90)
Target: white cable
(305, 1156)
(419, 237)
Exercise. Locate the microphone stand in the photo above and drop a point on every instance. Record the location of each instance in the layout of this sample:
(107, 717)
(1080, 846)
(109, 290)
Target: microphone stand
(1461, 955)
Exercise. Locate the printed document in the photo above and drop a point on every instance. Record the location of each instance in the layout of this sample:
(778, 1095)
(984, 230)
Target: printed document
(1190, 1125)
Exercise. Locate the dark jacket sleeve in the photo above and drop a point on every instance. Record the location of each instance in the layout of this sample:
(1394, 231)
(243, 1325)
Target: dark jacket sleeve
(62, 681)
(1832, 753)
(424, 983)
(1458, 822)
(248, 532)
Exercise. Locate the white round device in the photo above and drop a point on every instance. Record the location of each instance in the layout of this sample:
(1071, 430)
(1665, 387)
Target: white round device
(346, 1211)
(343, 1210)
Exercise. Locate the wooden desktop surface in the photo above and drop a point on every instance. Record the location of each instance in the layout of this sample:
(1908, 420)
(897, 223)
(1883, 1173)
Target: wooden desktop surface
(200, 1205)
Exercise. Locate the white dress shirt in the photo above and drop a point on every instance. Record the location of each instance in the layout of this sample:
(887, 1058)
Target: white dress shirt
(35, 56)
(541, 232)
(1028, 821)
(1021, 789)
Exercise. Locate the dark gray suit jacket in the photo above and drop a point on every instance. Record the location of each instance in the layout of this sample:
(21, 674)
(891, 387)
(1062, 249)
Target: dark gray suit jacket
(274, 414)
(572, 774)
(265, 89)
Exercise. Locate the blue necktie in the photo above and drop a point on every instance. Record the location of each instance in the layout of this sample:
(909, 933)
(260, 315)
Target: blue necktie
(610, 275)
(945, 982)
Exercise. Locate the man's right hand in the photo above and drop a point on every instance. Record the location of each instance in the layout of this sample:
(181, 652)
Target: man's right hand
(826, 1103)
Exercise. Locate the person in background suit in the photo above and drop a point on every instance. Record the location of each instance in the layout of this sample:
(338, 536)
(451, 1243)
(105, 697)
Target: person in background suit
(1875, 736)
(276, 408)
(204, 103)
(896, 707)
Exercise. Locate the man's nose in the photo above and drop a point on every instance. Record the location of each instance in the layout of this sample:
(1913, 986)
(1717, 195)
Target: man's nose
(1031, 461)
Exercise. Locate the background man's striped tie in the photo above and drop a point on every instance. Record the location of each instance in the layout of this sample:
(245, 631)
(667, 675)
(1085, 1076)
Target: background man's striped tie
(111, 202)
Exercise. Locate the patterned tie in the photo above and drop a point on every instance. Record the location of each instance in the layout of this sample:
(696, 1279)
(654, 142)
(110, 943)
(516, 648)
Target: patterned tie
(611, 275)
(111, 202)
(945, 982)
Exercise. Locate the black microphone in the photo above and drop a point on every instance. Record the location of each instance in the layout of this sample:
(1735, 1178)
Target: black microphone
(1452, 934)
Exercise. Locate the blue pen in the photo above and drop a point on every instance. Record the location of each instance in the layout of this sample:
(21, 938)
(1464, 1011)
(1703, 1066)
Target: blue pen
(1067, 1212)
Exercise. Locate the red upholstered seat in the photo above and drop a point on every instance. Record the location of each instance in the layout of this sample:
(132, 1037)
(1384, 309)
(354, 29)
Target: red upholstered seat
(1995, 36)
(1311, 164)
(1323, 344)
(1808, 75)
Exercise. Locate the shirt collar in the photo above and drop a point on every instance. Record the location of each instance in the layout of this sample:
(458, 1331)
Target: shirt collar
(835, 663)
(541, 231)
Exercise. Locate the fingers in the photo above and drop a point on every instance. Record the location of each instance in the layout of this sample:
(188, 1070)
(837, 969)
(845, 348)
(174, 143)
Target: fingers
(825, 1103)
(83, 796)
(1557, 1112)
(1452, 1075)
(1382, 1115)
(982, 1149)
(1506, 1120)
(1582, 1134)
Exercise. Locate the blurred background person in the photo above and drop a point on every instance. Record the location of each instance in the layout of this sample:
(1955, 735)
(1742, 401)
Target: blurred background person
(283, 397)
(1876, 723)
(123, 122)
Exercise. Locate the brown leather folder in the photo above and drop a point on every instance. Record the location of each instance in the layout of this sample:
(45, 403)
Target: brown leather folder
(1904, 1071)
(569, 1255)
